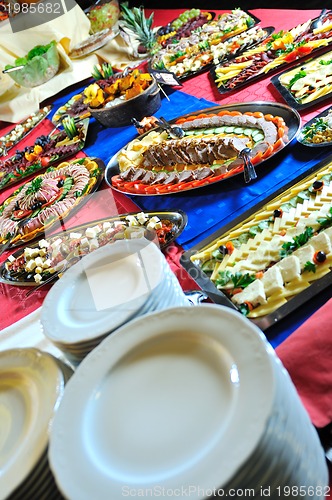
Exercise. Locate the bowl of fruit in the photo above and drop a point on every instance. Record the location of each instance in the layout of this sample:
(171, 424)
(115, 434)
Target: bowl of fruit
(103, 15)
(38, 66)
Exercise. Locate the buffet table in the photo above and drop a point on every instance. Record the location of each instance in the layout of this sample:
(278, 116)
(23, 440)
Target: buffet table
(209, 209)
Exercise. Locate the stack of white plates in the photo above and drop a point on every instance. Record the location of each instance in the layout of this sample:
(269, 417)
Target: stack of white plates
(31, 386)
(185, 403)
(104, 290)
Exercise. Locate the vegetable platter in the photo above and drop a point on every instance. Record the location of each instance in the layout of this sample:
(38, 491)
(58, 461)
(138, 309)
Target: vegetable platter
(318, 131)
(277, 51)
(45, 152)
(276, 256)
(35, 206)
(154, 164)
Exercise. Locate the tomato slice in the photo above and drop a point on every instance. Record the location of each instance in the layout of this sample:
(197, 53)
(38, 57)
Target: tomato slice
(45, 160)
(21, 214)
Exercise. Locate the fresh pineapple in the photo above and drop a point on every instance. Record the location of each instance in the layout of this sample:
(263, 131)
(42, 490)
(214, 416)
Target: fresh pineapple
(134, 21)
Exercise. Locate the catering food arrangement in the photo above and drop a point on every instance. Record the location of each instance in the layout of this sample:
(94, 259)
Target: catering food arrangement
(176, 169)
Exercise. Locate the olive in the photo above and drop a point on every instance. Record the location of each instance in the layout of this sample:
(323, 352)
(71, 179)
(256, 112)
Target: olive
(277, 213)
(320, 257)
(223, 250)
(60, 183)
(36, 205)
(317, 185)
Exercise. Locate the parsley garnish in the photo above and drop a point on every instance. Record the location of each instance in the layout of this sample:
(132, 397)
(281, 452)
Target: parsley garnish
(309, 266)
(298, 76)
(239, 280)
(34, 185)
(325, 63)
(297, 242)
(327, 220)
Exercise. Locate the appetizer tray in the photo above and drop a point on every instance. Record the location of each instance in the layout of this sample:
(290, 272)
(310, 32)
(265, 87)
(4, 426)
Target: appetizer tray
(154, 164)
(21, 130)
(278, 50)
(318, 131)
(33, 264)
(275, 257)
(226, 36)
(38, 204)
(45, 152)
(306, 84)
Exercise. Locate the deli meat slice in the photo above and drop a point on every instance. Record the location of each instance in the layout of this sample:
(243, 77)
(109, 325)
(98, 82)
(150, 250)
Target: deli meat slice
(192, 151)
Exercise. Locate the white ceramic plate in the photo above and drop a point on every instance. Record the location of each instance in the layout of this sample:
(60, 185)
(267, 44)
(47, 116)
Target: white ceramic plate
(102, 291)
(31, 385)
(176, 398)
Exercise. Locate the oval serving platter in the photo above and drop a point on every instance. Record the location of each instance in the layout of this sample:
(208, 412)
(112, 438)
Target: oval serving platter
(173, 221)
(67, 184)
(289, 116)
(313, 127)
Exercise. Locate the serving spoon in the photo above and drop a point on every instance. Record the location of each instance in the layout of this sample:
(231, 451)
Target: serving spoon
(248, 167)
(318, 22)
(174, 131)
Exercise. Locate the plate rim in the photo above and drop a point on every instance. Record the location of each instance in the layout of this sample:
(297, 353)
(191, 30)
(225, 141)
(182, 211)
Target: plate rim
(112, 349)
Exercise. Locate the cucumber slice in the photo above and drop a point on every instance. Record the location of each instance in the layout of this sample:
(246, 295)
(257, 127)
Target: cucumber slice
(238, 130)
(219, 130)
(209, 131)
(248, 131)
(258, 137)
(208, 266)
(229, 129)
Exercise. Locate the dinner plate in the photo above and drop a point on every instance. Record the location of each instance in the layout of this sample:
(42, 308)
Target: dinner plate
(308, 68)
(92, 43)
(101, 291)
(290, 116)
(31, 385)
(126, 420)
(312, 125)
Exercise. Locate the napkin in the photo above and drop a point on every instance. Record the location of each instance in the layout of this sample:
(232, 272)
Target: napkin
(17, 102)
(307, 354)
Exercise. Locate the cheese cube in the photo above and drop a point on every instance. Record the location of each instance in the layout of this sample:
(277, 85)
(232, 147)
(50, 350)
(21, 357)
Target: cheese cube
(321, 243)
(39, 261)
(154, 219)
(118, 223)
(272, 280)
(11, 258)
(30, 265)
(38, 270)
(253, 293)
(290, 268)
(106, 225)
(43, 244)
(90, 232)
(47, 263)
(304, 254)
(38, 278)
(93, 244)
(42, 252)
(142, 217)
(74, 236)
(34, 252)
(84, 242)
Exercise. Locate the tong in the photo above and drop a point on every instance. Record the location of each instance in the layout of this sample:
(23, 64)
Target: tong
(174, 131)
(248, 167)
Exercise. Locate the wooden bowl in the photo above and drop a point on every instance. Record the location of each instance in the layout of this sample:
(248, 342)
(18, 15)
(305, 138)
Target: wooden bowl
(120, 115)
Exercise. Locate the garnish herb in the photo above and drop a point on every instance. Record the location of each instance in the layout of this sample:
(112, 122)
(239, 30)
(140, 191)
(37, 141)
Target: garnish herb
(310, 266)
(297, 76)
(239, 280)
(34, 185)
(297, 242)
(327, 220)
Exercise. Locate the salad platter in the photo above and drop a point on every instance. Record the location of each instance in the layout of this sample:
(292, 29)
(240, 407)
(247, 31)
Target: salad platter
(35, 263)
(306, 84)
(38, 204)
(21, 130)
(318, 131)
(45, 152)
(276, 256)
(277, 51)
(221, 38)
(154, 164)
